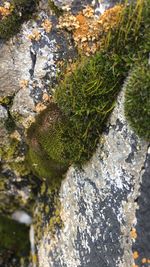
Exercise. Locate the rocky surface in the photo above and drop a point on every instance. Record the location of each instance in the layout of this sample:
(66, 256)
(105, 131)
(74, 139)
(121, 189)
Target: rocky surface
(99, 203)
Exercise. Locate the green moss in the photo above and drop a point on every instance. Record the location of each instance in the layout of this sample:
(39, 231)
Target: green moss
(14, 237)
(21, 167)
(86, 97)
(21, 11)
(137, 100)
(45, 154)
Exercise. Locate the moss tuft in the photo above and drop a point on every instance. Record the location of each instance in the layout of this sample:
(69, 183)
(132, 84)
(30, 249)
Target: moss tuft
(87, 96)
(137, 100)
(46, 150)
(14, 237)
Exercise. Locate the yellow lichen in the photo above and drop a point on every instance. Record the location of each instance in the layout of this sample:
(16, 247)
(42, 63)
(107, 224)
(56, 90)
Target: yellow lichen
(135, 255)
(24, 84)
(47, 25)
(35, 35)
(133, 233)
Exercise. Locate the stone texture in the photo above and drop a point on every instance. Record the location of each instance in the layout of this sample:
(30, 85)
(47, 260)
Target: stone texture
(3, 113)
(98, 203)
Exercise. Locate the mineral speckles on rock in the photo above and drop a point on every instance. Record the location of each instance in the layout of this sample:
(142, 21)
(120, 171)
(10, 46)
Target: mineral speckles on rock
(98, 203)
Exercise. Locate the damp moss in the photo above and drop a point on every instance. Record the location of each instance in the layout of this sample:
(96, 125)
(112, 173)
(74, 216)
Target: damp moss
(46, 150)
(137, 100)
(21, 10)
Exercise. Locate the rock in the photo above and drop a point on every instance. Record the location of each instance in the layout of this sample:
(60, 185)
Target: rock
(23, 104)
(98, 203)
(9, 74)
(3, 113)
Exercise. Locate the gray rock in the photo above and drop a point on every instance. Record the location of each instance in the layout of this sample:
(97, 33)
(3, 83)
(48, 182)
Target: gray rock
(3, 113)
(23, 104)
(98, 203)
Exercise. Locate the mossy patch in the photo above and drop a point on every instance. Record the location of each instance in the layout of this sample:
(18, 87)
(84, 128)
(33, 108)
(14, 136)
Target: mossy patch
(86, 97)
(137, 100)
(46, 151)
(21, 11)
(14, 237)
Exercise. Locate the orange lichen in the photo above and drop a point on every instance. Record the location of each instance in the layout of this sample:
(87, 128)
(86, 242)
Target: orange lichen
(4, 11)
(87, 29)
(135, 255)
(88, 12)
(24, 84)
(40, 107)
(47, 25)
(133, 233)
(35, 35)
(46, 97)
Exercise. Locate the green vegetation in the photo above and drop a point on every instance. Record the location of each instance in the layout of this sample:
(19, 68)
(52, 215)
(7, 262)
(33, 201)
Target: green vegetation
(21, 11)
(46, 151)
(14, 237)
(137, 100)
(87, 96)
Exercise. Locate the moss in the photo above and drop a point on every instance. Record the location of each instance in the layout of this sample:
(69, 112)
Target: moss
(20, 168)
(14, 237)
(137, 100)
(21, 11)
(45, 154)
(57, 11)
(86, 97)
(88, 94)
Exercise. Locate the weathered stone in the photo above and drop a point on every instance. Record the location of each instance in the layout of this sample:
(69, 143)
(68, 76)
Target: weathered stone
(3, 113)
(23, 104)
(98, 203)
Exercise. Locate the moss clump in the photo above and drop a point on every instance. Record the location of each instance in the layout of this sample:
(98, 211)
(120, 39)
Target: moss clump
(87, 95)
(137, 100)
(46, 151)
(14, 237)
(21, 11)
